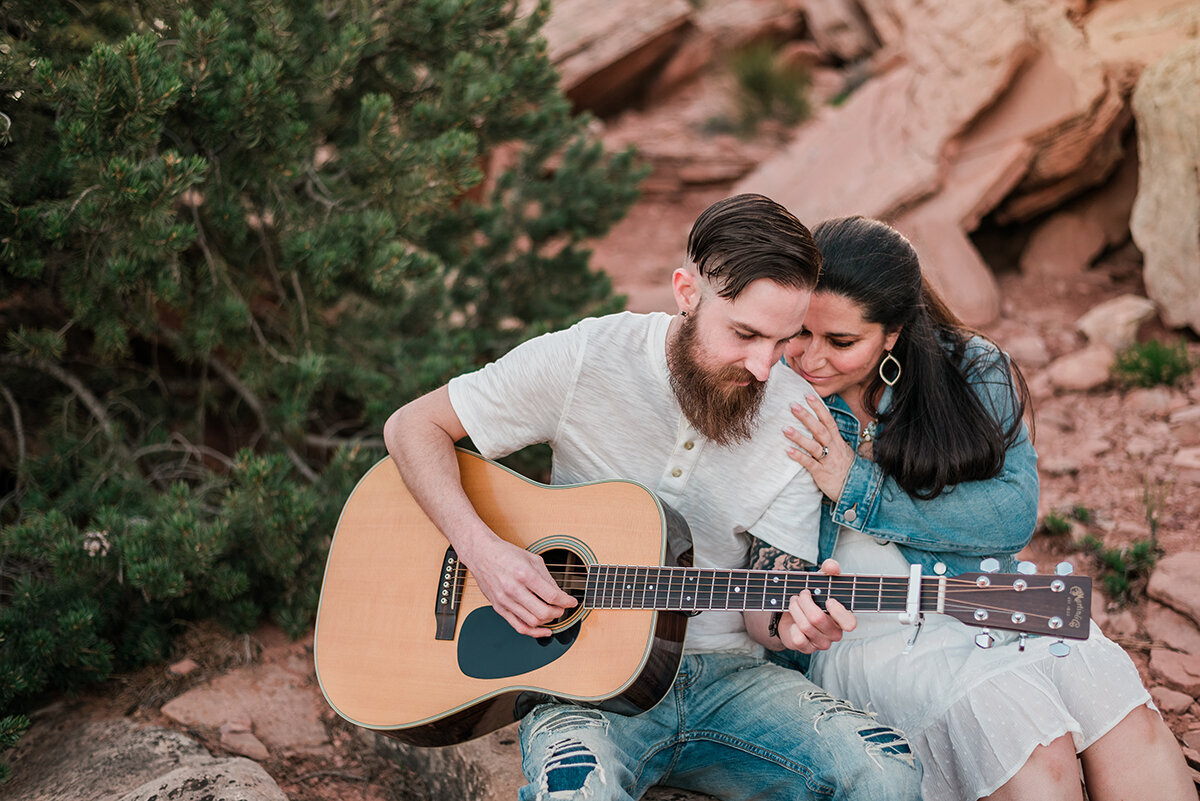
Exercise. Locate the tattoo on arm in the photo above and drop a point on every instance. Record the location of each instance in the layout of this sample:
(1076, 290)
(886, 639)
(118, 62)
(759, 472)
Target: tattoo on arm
(768, 557)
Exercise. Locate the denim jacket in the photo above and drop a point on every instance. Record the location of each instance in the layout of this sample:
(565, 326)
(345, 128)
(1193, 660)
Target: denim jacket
(967, 522)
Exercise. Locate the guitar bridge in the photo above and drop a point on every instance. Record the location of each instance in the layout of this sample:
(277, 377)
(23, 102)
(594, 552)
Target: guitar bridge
(449, 593)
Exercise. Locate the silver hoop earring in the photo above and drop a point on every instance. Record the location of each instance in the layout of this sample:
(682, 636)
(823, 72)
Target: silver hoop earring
(891, 382)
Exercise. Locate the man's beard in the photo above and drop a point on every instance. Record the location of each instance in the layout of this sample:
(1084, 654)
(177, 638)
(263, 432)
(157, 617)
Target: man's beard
(719, 409)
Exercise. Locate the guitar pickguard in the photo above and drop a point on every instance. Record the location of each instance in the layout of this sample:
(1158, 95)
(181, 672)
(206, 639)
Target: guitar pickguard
(489, 648)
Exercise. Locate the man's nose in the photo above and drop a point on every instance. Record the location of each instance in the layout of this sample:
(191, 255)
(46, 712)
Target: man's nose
(762, 360)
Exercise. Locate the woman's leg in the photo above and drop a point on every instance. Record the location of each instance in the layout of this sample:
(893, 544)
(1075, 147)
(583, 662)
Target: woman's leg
(1050, 773)
(1137, 758)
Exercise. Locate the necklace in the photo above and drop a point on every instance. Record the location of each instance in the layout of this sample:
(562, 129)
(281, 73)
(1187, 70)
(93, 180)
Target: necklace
(867, 433)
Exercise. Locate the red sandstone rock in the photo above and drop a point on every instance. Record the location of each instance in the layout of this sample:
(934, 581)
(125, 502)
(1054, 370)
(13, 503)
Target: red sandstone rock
(603, 51)
(1082, 370)
(1178, 671)
(1171, 701)
(1132, 34)
(1065, 244)
(1176, 583)
(182, 667)
(840, 28)
(1166, 215)
(1116, 322)
(274, 697)
(1172, 629)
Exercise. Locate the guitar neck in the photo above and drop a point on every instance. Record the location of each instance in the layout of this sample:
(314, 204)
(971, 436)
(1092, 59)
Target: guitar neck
(688, 589)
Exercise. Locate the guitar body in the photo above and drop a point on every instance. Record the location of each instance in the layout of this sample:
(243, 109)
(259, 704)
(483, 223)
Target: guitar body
(379, 659)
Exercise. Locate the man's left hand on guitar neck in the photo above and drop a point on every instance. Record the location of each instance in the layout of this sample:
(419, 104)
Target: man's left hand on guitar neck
(804, 627)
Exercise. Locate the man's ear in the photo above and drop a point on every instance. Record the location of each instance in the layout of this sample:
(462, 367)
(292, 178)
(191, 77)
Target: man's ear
(685, 284)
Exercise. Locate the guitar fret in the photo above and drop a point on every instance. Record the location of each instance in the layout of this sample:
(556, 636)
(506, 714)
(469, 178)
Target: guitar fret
(661, 588)
(838, 586)
(896, 599)
(616, 588)
(718, 584)
(776, 598)
(743, 592)
(680, 577)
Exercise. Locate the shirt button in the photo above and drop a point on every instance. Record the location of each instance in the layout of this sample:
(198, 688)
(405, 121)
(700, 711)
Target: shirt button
(677, 472)
(850, 515)
(687, 446)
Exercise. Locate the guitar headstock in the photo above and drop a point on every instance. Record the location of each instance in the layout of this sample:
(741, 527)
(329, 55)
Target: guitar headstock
(1059, 606)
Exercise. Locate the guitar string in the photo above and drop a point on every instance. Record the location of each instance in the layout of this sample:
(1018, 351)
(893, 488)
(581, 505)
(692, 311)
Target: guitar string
(892, 594)
(572, 577)
(754, 578)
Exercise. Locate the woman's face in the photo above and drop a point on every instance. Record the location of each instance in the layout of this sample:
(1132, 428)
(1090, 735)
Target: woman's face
(838, 351)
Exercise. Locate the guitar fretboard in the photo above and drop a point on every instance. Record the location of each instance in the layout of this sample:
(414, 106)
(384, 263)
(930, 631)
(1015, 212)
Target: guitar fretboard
(687, 589)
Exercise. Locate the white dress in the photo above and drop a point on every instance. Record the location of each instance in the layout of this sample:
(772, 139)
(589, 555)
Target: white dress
(973, 716)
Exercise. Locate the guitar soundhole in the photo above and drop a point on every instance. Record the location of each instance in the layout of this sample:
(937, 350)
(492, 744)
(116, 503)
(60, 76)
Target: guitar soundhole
(570, 571)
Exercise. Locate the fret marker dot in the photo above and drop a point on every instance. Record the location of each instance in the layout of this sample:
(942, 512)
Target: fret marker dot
(737, 589)
(774, 602)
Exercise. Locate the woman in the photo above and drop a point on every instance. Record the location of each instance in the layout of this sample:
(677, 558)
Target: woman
(923, 457)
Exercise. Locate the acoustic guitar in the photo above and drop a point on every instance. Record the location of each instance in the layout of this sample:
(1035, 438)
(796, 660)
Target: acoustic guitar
(407, 645)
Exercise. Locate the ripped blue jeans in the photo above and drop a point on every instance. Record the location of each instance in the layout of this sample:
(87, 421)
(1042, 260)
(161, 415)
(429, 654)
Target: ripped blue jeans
(733, 727)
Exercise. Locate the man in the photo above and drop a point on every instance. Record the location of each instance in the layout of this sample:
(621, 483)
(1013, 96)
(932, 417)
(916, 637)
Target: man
(683, 405)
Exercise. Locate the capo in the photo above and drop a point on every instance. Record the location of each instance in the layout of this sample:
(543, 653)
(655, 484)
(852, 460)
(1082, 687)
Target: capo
(912, 604)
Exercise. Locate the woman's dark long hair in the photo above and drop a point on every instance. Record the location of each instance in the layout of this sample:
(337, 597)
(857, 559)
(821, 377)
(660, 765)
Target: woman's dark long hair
(936, 431)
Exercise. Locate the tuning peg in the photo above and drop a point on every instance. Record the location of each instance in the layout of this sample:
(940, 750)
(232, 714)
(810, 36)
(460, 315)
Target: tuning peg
(1064, 568)
(990, 565)
(1026, 568)
(984, 639)
(1059, 649)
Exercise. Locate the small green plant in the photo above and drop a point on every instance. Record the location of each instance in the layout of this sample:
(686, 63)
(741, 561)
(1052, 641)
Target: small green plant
(1122, 570)
(1056, 525)
(1154, 496)
(1153, 363)
(1082, 514)
(767, 88)
(11, 729)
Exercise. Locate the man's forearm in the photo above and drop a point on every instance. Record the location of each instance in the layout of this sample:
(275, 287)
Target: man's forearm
(423, 451)
(759, 623)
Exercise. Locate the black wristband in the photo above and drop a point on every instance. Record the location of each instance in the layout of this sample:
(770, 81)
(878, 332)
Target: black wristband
(773, 626)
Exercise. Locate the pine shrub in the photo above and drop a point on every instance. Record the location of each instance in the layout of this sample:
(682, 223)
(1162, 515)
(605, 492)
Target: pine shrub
(234, 236)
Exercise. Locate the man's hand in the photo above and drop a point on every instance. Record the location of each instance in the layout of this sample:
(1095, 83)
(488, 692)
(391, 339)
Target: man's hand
(806, 628)
(420, 436)
(519, 586)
